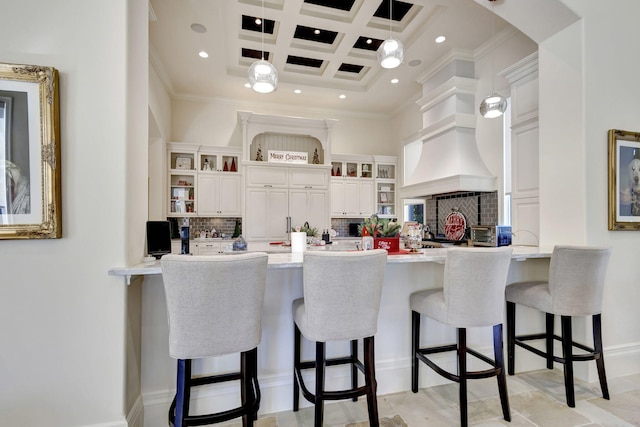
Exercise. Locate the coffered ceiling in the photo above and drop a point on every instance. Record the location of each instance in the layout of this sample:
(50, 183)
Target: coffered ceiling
(322, 48)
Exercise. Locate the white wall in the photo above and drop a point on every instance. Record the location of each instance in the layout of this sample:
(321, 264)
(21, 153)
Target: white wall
(588, 85)
(215, 122)
(62, 340)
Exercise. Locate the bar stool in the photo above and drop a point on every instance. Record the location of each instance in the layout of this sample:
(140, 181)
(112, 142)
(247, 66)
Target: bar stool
(341, 302)
(214, 305)
(574, 288)
(472, 295)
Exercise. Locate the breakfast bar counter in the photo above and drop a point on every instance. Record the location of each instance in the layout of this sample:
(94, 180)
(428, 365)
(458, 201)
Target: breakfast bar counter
(404, 274)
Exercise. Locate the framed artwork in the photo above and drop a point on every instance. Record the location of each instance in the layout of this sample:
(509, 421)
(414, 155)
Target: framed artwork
(30, 200)
(624, 180)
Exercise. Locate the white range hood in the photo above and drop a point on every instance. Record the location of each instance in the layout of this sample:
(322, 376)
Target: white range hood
(443, 157)
(447, 164)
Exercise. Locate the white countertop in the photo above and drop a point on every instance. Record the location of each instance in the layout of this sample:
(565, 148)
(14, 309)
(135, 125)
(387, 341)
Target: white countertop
(281, 257)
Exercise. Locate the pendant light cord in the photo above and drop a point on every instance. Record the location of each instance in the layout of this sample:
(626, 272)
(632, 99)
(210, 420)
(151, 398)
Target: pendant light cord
(493, 29)
(390, 17)
(262, 31)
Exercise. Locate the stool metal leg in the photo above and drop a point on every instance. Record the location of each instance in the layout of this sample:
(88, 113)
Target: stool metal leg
(462, 373)
(597, 346)
(370, 380)
(296, 365)
(501, 377)
(511, 337)
(354, 368)
(567, 354)
(320, 368)
(549, 339)
(415, 345)
(183, 391)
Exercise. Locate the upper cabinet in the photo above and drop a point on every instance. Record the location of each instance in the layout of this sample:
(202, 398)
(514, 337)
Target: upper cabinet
(204, 181)
(352, 186)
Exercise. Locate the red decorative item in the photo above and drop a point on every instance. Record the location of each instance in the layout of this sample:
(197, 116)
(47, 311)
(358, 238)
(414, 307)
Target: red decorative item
(338, 172)
(391, 244)
(233, 165)
(332, 173)
(455, 226)
(225, 168)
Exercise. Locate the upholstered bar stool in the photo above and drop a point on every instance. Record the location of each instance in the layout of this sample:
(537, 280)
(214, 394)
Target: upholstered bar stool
(472, 296)
(341, 302)
(214, 305)
(574, 288)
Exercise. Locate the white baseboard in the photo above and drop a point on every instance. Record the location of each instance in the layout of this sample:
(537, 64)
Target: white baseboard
(135, 417)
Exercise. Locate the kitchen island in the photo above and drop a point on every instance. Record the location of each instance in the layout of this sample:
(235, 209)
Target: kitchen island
(404, 274)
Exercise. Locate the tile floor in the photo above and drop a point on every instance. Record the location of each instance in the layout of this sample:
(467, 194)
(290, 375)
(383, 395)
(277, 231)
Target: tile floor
(536, 398)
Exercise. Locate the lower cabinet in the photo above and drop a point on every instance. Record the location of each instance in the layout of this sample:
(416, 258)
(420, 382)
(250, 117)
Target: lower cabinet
(201, 248)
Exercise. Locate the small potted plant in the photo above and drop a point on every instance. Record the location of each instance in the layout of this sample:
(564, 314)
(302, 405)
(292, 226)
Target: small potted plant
(306, 228)
(388, 236)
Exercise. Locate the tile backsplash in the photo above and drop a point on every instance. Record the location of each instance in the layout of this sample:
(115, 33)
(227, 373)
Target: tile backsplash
(478, 208)
(224, 226)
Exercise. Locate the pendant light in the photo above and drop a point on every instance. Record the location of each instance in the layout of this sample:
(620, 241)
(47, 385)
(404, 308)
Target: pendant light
(495, 104)
(263, 76)
(391, 51)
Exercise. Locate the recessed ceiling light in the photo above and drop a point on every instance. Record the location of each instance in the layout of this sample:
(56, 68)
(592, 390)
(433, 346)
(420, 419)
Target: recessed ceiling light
(369, 41)
(247, 85)
(316, 32)
(415, 62)
(297, 91)
(394, 81)
(203, 54)
(258, 21)
(198, 28)
(343, 96)
(440, 39)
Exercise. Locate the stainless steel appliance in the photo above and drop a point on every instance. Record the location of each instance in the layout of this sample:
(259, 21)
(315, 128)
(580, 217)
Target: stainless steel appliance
(491, 235)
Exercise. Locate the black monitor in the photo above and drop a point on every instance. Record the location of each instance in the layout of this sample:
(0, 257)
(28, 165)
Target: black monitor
(158, 238)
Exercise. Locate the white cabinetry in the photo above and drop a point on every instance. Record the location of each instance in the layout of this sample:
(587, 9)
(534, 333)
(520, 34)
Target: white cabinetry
(352, 186)
(204, 181)
(279, 197)
(524, 185)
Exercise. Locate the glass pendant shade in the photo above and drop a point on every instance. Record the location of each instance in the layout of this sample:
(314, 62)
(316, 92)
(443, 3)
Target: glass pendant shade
(390, 53)
(263, 76)
(493, 106)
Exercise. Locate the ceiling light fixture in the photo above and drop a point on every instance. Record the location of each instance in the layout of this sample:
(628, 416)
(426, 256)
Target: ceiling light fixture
(263, 76)
(391, 51)
(394, 81)
(203, 54)
(440, 39)
(495, 104)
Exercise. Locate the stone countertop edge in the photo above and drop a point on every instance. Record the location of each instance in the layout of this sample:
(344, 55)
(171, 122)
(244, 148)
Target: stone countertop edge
(291, 260)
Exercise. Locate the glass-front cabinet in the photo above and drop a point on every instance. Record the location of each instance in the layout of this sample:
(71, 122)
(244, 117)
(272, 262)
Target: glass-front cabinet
(386, 183)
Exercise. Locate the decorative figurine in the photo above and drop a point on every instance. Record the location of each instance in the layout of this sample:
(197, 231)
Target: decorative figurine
(316, 159)
(206, 166)
(259, 153)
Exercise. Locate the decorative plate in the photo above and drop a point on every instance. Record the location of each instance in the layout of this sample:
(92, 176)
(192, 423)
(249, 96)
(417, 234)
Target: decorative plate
(455, 226)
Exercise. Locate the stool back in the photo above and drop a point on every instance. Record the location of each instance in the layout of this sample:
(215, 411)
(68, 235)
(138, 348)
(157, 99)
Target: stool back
(474, 283)
(342, 293)
(576, 279)
(214, 303)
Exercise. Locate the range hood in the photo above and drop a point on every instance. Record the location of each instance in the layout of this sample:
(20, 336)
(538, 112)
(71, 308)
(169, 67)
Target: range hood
(443, 157)
(448, 162)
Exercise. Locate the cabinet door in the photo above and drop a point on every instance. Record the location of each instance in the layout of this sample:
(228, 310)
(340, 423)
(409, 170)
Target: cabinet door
(208, 194)
(274, 176)
(367, 199)
(266, 213)
(309, 206)
(352, 197)
(337, 197)
(209, 248)
(308, 178)
(229, 191)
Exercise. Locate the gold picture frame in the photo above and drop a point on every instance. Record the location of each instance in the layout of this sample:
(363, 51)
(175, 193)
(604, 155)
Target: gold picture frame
(30, 199)
(624, 180)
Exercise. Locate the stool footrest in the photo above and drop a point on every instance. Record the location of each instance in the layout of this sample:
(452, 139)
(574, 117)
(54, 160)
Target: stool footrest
(591, 355)
(487, 373)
